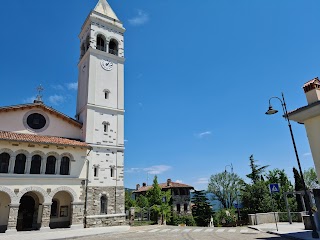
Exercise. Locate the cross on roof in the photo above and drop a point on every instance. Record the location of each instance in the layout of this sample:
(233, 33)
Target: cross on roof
(40, 89)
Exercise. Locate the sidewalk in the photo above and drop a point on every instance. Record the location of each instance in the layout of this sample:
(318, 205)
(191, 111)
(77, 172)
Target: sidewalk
(54, 234)
(293, 231)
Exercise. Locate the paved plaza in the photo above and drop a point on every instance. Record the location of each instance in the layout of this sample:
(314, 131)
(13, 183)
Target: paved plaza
(185, 233)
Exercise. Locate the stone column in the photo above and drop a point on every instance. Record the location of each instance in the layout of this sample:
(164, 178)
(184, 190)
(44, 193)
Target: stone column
(28, 165)
(77, 215)
(58, 164)
(46, 212)
(43, 165)
(13, 217)
(11, 164)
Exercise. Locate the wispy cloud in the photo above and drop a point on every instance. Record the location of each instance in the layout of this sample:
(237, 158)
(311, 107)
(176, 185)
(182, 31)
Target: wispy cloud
(140, 104)
(72, 86)
(132, 170)
(203, 134)
(56, 99)
(307, 154)
(126, 140)
(29, 99)
(157, 169)
(58, 87)
(140, 19)
(178, 181)
(202, 181)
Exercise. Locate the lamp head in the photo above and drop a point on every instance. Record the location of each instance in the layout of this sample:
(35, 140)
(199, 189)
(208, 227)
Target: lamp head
(271, 111)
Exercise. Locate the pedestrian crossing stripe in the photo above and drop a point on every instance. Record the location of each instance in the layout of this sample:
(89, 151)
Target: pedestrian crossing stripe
(165, 230)
(198, 230)
(187, 230)
(232, 230)
(209, 230)
(175, 230)
(220, 230)
(154, 230)
(243, 231)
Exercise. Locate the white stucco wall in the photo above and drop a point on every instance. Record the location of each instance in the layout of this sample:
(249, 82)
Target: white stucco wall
(313, 132)
(21, 181)
(13, 121)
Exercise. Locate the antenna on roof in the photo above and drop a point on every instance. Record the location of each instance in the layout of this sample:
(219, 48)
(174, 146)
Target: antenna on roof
(40, 89)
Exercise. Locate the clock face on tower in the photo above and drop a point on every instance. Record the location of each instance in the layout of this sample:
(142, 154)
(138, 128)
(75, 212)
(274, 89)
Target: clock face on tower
(106, 65)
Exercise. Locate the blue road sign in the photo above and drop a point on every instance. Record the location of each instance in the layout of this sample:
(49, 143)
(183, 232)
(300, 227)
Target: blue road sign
(274, 187)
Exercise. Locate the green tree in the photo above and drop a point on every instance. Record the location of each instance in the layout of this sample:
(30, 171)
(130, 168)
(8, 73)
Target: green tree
(225, 187)
(279, 176)
(256, 198)
(310, 178)
(154, 194)
(298, 186)
(129, 202)
(256, 170)
(164, 208)
(142, 201)
(201, 209)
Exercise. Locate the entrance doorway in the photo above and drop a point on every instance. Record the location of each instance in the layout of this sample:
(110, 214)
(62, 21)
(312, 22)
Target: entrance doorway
(28, 213)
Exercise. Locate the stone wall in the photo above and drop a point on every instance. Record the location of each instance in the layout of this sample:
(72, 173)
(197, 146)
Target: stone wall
(181, 199)
(77, 213)
(105, 221)
(13, 216)
(115, 200)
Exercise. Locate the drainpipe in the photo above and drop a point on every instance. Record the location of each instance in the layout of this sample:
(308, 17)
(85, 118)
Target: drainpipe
(86, 191)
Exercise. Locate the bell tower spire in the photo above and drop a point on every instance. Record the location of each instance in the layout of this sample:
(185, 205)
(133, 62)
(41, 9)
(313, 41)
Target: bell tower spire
(104, 8)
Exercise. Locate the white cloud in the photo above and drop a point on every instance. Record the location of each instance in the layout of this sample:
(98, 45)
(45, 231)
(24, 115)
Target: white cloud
(56, 99)
(30, 99)
(58, 87)
(140, 19)
(203, 134)
(126, 140)
(140, 104)
(157, 169)
(202, 181)
(307, 154)
(133, 170)
(72, 86)
(179, 181)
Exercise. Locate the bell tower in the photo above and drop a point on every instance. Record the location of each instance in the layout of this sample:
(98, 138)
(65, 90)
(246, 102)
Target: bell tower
(100, 107)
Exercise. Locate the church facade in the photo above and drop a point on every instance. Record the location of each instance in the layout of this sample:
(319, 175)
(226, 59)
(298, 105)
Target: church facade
(56, 171)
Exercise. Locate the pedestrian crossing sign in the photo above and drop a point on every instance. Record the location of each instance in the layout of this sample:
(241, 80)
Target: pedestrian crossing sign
(274, 187)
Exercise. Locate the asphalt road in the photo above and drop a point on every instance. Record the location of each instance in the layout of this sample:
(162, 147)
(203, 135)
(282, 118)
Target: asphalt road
(185, 233)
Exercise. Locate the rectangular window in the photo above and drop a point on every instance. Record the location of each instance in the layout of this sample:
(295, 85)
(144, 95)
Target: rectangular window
(185, 207)
(178, 208)
(95, 172)
(112, 172)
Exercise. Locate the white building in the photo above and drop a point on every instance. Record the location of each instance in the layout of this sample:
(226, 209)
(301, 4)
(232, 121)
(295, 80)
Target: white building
(56, 171)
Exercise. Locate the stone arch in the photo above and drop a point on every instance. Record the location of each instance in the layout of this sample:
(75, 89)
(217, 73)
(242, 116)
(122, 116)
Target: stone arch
(69, 190)
(37, 152)
(12, 195)
(7, 150)
(55, 154)
(69, 155)
(22, 151)
(43, 194)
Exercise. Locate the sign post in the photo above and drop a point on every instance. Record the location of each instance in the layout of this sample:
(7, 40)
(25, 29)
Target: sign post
(274, 188)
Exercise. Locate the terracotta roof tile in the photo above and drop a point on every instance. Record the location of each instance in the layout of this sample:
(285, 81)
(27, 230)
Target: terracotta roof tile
(165, 186)
(31, 138)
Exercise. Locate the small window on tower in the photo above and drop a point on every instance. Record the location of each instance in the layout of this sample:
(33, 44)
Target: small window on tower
(106, 94)
(113, 47)
(95, 172)
(106, 126)
(112, 171)
(101, 43)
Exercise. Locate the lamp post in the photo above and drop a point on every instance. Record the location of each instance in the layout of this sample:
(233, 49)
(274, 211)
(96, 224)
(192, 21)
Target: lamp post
(286, 116)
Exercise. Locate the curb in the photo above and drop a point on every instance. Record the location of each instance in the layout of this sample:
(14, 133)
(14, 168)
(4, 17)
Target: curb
(275, 233)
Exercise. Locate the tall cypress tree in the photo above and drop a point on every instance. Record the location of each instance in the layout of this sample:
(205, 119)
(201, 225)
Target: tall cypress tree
(201, 209)
(298, 186)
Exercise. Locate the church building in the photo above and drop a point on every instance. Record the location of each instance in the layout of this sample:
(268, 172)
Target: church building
(56, 171)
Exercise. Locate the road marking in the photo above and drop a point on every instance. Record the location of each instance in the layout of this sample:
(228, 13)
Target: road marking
(209, 230)
(141, 231)
(187, 230)
(165, 230)
(154, 230)
(220, 230)
(232, 230)
(175, 230)
(243, 231)
(198, 230)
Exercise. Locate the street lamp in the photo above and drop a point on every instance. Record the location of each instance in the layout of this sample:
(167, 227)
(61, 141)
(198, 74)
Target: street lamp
(286, 116)
(225, 171)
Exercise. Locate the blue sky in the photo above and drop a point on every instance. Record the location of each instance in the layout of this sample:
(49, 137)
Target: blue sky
(198, 77)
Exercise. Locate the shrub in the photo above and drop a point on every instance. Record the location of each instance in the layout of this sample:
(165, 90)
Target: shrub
(182, 219)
